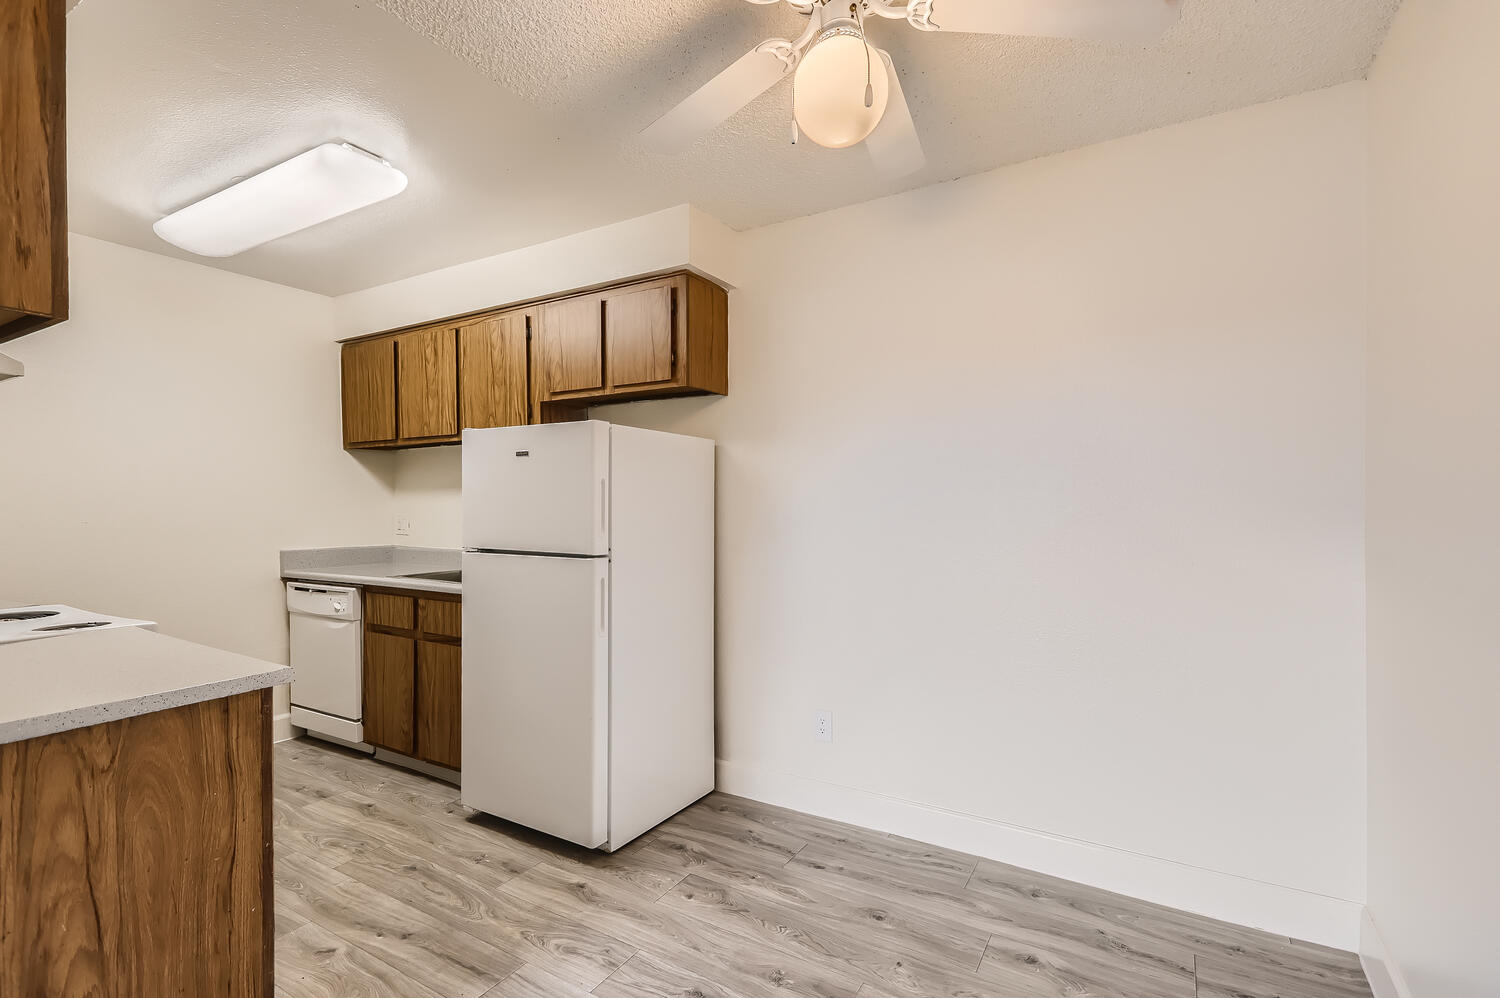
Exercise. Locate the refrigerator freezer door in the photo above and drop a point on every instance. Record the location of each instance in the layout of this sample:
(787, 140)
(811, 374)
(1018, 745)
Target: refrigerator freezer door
(537, 488)
(536, 692)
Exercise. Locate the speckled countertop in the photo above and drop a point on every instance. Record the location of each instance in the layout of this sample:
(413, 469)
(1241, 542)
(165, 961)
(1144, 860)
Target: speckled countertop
(383, 566)
(77, 680)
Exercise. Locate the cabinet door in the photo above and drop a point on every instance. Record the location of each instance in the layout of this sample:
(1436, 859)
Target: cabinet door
(439, 686)
(427, 383)
(369, 381)
(495, 371)
(389, 691)
(33, 168)
(572, 358)
(639, 336)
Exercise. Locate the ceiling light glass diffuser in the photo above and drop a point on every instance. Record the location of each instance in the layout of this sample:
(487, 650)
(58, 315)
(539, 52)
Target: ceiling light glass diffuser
(829, 103)
(325, 182)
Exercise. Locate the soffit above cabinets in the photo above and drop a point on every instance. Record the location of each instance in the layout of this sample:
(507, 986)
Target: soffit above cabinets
(518, 122)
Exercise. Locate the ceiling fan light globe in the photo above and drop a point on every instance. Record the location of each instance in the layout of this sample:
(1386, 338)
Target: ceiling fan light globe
(830, 90)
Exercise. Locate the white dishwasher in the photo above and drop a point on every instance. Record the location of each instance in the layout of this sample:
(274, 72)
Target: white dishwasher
(327, 654)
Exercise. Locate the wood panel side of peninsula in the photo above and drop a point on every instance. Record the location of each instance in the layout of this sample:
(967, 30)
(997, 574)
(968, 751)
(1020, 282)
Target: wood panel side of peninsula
(135, 856)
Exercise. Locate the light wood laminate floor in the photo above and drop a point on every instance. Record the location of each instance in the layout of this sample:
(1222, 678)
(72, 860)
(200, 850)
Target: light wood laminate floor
(387, 885)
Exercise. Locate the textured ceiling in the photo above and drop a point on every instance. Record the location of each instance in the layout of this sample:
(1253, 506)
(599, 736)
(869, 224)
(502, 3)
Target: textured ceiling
(517, 121)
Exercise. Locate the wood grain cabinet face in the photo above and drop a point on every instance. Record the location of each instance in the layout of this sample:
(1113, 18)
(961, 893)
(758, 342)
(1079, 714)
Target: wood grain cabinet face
(369, 385)
(659, 338)
(33, 167)
(441, 618)
(390, 691)
(542, 363)
(439, 692)
(572, 349)
(414, 674)
(640, 336)
(389, 610)
(135, 856)
(494, 363)
(427, 383)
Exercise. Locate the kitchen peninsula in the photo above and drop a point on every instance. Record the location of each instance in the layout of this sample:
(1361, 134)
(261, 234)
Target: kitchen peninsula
(135, 817)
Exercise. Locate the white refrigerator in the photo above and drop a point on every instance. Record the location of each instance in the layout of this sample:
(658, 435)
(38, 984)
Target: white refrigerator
(588, 613)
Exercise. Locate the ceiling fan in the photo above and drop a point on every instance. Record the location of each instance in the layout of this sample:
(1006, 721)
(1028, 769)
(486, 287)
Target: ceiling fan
(846, 91)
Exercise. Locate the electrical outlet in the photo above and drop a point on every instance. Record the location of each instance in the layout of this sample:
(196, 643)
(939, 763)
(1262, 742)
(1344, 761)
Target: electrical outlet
(403, 525)
(823, 725)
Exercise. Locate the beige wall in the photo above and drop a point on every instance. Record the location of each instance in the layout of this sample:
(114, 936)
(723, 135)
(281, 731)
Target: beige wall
(1434, 495)
(168, 440)
(1049, 484)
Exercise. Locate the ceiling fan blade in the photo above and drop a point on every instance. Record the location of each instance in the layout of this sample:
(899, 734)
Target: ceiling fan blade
(1115, 20)
(749, 76)
(894, 146)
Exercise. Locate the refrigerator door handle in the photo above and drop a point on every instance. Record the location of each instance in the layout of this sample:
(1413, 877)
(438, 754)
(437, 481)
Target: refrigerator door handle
(601, 606)
(603, 505)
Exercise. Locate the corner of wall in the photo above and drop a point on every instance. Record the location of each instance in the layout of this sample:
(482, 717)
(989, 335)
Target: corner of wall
(713, 248)
(1384, 975)
(1287, 911)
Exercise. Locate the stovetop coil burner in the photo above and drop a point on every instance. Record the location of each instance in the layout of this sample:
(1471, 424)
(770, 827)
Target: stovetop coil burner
(27, 614)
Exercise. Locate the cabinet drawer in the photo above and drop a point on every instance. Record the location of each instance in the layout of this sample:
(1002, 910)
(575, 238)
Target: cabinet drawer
(440, 618)
(386, 610)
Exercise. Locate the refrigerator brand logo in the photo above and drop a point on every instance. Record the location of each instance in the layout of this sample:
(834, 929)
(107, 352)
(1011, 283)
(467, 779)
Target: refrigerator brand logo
(523, 453)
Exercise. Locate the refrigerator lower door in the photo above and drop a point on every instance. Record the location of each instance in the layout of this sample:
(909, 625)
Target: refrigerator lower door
(536, 692)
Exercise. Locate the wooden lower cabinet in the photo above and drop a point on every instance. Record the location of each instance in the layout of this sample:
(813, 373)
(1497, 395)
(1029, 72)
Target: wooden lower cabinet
(439, 685)
(135, 856)
(413, 675)
(390, 691)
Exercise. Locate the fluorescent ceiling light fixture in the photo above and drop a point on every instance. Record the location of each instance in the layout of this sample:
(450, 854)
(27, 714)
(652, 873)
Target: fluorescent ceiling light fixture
(331, 180)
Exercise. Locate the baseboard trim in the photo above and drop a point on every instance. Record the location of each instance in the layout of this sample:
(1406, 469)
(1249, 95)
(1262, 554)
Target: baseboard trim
(281, 727)
(1283, 910)
(1383, 973)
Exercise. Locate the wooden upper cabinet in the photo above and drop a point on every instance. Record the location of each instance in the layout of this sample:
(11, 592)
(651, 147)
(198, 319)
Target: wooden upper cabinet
(572, 347)
(640, 336)
(494, 363)
(427, 383)
(652, 339)
(33, 168)
(539, 363)
(369, 369)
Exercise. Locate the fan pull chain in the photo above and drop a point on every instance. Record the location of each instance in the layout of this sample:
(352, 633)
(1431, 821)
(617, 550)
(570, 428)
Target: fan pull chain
(794, 112)
(859, 19)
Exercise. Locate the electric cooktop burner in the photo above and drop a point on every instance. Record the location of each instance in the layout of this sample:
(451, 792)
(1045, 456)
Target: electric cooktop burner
(28, 623)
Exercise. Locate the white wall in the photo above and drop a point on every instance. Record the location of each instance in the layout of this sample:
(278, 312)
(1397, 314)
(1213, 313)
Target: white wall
(1434, 492)
(663, 240)
(168, 440)
(1059, 510)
